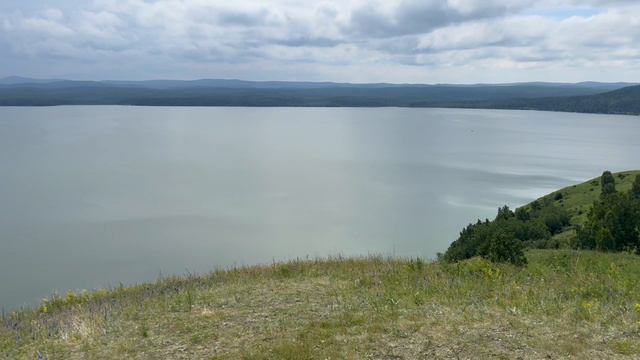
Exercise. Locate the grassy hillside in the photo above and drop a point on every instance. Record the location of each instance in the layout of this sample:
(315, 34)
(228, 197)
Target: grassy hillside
(564, 304)
(577, 199)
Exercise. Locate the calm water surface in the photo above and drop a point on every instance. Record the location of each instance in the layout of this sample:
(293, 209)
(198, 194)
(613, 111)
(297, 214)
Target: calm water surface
(94, 196)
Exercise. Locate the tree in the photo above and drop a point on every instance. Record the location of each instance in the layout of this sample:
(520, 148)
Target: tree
(468, 243)
(522, 214)
(608, 183)
(555, 219)
(504, 213)
(604, 240)
(635, 189)
(613, 224)
(504, 247)
(528, 227)
(535, 205)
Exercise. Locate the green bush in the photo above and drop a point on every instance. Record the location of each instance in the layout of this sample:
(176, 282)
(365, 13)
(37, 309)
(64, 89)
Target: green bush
(532, 226)
(505, 248)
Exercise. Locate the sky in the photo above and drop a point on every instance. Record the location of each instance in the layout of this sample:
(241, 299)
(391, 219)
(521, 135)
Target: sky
(399, 41)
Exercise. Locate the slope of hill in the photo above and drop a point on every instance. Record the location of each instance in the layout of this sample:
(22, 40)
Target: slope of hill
(552, 221)
(577, 199)
(621, 101)
(563, 304)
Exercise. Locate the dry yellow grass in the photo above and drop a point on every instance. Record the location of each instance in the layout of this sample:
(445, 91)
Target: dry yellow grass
(564, 304)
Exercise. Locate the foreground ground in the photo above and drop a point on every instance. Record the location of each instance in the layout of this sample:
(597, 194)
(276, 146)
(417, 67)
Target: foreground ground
(564, 304)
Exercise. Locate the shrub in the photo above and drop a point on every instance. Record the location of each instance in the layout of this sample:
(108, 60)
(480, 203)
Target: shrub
(505, 248)
(555, 219)
(533, 225)
(635, 189)
(608, 183)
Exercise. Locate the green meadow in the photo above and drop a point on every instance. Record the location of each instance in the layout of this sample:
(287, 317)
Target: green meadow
(563, 304)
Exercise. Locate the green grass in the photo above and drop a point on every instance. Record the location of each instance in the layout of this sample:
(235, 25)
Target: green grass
(564, 304)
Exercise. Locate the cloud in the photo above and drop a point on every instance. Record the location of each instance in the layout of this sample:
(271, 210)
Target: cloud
(392, 40)
(385, 18)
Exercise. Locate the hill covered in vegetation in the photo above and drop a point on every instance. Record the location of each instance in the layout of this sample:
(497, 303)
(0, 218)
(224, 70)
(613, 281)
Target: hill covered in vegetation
(621, 101)
(602, 213)
(615, 98)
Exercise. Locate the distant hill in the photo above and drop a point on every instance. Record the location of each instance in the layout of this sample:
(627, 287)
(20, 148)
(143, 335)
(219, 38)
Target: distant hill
(582, 88)
(18, 80)
(621, 101)
(580, 97)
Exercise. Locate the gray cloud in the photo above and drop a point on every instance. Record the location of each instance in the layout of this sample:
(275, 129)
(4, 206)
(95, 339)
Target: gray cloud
(420, 16)
(351, 40)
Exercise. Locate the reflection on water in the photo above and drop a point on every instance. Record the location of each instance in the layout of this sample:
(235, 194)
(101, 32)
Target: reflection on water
(94, 196)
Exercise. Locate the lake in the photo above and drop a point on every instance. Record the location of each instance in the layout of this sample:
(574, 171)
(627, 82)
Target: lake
(98, 195)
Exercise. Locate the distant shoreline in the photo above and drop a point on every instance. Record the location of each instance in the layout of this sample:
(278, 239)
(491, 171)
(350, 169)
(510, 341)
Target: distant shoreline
(327, 107)
(592, 98)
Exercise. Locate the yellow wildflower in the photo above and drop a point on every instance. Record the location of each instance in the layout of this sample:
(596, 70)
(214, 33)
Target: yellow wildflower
(44, 308)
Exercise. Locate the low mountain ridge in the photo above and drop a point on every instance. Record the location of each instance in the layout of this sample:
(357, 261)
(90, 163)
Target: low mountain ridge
(590, 97)
(620, 101)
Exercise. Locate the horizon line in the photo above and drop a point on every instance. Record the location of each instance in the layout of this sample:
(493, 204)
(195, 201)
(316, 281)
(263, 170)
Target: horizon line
(55, 79)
